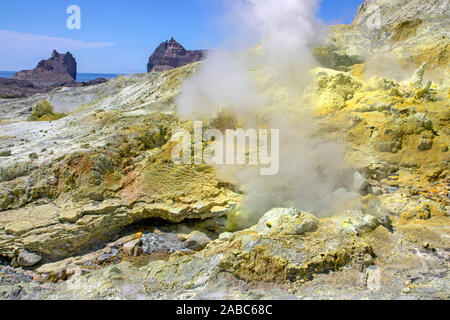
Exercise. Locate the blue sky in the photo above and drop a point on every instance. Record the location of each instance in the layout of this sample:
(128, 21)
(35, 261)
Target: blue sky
(119, 36)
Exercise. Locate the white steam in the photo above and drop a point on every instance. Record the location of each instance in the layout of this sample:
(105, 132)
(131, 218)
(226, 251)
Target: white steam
(312, 172)
(287, 29)
(222, 82)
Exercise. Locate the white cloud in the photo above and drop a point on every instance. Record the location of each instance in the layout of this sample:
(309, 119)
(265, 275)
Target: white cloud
(24, 41)
(18, 50)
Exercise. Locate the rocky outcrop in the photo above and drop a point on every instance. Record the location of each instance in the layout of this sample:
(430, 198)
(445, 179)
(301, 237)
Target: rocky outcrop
(399, 34)
(388, 12)
(171, 54)
(13, 88)
(91, 82)
(59, 68)
(58, 71)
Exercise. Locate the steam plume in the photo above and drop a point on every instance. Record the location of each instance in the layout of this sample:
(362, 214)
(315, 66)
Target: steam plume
(268, 81)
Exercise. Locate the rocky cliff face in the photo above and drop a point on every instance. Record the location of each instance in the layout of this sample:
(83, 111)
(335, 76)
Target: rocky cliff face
(396, 36)
(171, 54)
(59, 68)
(390, 12)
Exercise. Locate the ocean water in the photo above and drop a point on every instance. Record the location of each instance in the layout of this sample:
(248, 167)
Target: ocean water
(91, 76)
(7, 74)
(80, 76)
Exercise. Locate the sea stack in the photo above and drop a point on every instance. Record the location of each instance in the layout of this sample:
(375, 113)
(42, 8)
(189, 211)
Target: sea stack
(171, 54)
(59, 68)
(58, 71)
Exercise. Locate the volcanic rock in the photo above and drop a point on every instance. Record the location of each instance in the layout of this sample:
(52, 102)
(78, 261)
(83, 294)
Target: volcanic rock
(171, 54)
(159, 242)
(59, 68)
(123, 179)
(389, 12)
(92, 82)
(288, 221)
(13, 88)
(359, 182)
(58, 71)
(28, 259)
(406, 32)
(133, 248)
(196, 241)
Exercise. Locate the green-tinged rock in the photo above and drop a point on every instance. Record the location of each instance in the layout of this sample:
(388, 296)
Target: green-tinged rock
(286, 222)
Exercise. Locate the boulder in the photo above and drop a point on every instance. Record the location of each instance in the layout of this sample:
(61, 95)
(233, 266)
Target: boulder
(159, 242)
(376, 190)
(357, 222)
(28, 259)
(196, 241)
(287, 221)
(360, 183)
(133, 248)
